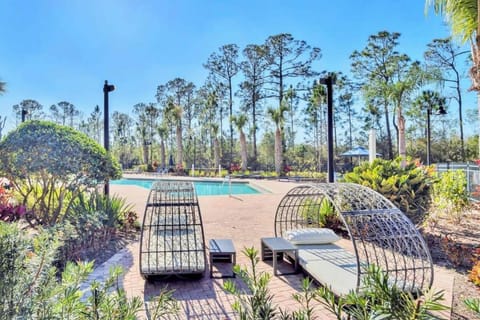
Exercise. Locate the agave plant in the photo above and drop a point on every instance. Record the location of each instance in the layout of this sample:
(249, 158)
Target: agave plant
(112, 210)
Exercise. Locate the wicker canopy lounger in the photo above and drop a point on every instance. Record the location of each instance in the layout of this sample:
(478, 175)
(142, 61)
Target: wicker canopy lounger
(380, 234)
(172, 239)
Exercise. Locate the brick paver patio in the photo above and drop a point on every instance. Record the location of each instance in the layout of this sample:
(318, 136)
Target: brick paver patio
(245, 219)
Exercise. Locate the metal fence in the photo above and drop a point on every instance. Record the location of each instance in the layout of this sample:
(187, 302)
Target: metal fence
(472, 173)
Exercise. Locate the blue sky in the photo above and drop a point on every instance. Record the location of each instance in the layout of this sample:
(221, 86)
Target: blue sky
(54, 50)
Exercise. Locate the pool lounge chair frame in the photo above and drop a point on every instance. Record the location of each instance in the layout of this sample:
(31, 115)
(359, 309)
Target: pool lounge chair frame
(172, 239)
(380, 234)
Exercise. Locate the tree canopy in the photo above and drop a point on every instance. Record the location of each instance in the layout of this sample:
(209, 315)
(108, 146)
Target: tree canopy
(282, 70)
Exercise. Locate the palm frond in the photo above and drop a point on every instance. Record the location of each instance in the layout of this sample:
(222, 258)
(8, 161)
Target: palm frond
(461, 15)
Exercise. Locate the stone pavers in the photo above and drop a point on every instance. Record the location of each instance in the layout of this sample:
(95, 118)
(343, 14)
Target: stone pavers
(245, 219)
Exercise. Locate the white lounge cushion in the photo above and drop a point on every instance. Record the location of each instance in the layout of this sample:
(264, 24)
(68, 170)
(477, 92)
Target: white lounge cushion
(311, 236)
(330, 265)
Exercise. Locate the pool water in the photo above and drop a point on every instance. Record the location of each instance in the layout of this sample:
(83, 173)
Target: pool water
(202, 188)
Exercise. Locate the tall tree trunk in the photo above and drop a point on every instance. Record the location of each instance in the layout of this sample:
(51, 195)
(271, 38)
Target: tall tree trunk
(350, 140)
(243, 151)
(397, 130)
(230, 110)
(292, 133)
(145, 152)
(179, 146)
(254, 131)
(316, 135)
(335, 134)
(216, 152)
(460, 112)
(221, 140)
(163, 158)
(280, 82)
(389, 132)
(401, 136)
(278, 151)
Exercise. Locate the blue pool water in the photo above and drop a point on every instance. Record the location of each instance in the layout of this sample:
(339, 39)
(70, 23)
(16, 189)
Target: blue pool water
(202, 188)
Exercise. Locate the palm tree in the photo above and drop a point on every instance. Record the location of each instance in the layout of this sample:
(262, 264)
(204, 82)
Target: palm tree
(239, 122)
(410, 77)
(278, 118)
(2, 87)
(463, 15)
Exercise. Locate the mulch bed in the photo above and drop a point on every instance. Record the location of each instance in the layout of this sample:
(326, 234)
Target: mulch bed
(115, 244)
(456, 245)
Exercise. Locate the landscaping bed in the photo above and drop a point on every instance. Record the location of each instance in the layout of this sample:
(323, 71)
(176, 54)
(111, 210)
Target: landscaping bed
(456, 245)
(118, 242)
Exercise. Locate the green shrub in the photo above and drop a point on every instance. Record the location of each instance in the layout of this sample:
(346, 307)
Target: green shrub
(321, 176)
(473, 305)
(141, 168)
(92, 221)
(320, 213)
(450, 196)
(49, 165)
(306, 300)
(162, 306)
(407, 187)
(258, 303)
(113, 210)
(30, 287)
(268, 174)
(223, 173)
(109, 301)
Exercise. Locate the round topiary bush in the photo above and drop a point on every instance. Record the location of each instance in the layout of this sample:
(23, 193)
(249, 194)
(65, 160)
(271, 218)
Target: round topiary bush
(49, 165)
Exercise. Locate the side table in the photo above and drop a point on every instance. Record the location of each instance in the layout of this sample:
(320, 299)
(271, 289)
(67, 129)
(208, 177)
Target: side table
(275, 248)
(222, 250)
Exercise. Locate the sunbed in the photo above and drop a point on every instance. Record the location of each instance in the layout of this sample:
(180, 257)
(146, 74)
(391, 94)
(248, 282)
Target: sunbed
(376, 233)
(172, 239)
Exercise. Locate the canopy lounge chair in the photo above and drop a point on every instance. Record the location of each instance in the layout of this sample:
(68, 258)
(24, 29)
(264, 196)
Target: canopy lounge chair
(380, 234)
(172, 239)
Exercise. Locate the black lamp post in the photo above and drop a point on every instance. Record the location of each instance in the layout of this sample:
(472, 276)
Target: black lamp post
(106, 89)
(440, 111)
(329, 81)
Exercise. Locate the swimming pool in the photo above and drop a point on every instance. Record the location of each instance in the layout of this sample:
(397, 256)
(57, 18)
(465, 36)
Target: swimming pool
(202, 188)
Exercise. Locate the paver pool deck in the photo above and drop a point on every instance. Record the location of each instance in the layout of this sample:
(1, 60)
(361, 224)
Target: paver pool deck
(244, 219)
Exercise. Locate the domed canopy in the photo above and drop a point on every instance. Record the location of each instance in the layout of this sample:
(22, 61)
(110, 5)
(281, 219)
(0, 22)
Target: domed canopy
(380, 233)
